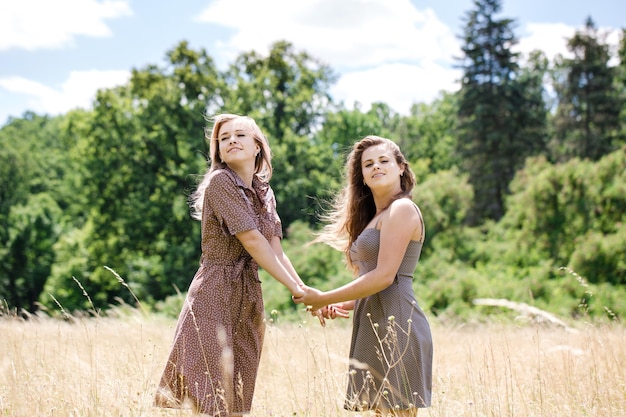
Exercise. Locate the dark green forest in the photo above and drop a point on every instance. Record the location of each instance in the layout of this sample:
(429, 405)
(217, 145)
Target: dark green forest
(521, 178)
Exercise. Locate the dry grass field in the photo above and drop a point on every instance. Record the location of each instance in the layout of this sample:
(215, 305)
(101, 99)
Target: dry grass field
(109, 366)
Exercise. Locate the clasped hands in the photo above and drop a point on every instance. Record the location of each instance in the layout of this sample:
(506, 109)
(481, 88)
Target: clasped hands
(313, 300)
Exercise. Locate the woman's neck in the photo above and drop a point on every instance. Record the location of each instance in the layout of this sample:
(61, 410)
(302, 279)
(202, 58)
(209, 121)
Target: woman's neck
(246, 173)
(382, 200)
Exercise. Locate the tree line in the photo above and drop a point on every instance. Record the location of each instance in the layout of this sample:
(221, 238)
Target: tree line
(521, 176)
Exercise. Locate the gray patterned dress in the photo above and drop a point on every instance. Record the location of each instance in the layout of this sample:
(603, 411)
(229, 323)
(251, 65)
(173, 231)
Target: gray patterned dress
(391, 351)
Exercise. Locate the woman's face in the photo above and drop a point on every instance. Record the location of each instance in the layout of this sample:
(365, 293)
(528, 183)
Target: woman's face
(236, 144)
(379, 167)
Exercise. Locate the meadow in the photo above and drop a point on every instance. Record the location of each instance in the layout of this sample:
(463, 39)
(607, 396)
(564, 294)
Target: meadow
(110, 365)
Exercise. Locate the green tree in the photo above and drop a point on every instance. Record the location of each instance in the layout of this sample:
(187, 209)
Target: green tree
(445, 199)
(342, 128)
(429, 133)
(587, 117)
(34, 229)
(140, 149)
(33, 166)
(500, 117)
(557, 213)
(13, 191)
(33, 158)
(13, 181)
(287, 93)
(620, 87)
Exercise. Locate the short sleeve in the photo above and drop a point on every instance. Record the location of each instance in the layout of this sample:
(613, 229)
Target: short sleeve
(229, 204)
(278, 226)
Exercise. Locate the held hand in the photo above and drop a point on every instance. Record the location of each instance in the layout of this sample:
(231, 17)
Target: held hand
(299, 291)
(320, 316)
(312, 302)
(330, 312)
(333, 311)
(311, 299)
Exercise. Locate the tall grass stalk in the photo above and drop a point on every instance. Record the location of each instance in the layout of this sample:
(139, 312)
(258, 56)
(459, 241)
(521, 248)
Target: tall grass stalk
(110, 366)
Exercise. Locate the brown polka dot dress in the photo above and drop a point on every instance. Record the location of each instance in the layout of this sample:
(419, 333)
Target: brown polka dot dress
(217, 344)
(391, 350)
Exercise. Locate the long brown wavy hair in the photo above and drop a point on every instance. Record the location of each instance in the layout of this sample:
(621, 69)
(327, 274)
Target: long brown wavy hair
(353, 207)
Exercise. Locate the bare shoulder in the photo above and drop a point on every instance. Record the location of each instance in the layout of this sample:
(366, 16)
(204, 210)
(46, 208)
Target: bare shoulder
(406, 215)
(404, 208)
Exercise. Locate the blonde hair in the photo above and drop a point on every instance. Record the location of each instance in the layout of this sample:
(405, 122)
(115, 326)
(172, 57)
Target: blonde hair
(353, 207)
(262, 164)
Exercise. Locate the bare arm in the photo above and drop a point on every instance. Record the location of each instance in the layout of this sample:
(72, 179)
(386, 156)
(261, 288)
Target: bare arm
(284, 259)
(264, 254)
(346, 305)
(395, 235)
(334, 310)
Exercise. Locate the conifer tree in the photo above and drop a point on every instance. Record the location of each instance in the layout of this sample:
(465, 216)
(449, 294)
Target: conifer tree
(587, 118)
(501, 112)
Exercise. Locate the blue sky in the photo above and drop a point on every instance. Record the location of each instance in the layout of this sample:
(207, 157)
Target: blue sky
(55, 54)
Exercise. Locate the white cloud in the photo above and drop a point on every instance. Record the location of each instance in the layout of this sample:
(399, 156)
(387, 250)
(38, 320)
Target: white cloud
(386, 50)
(551, 38)
(397, 85)
(349, 34)
(36, 24)
(78, 91)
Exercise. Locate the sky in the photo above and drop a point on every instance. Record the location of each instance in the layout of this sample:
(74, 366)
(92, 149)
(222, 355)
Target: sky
(55, 54)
